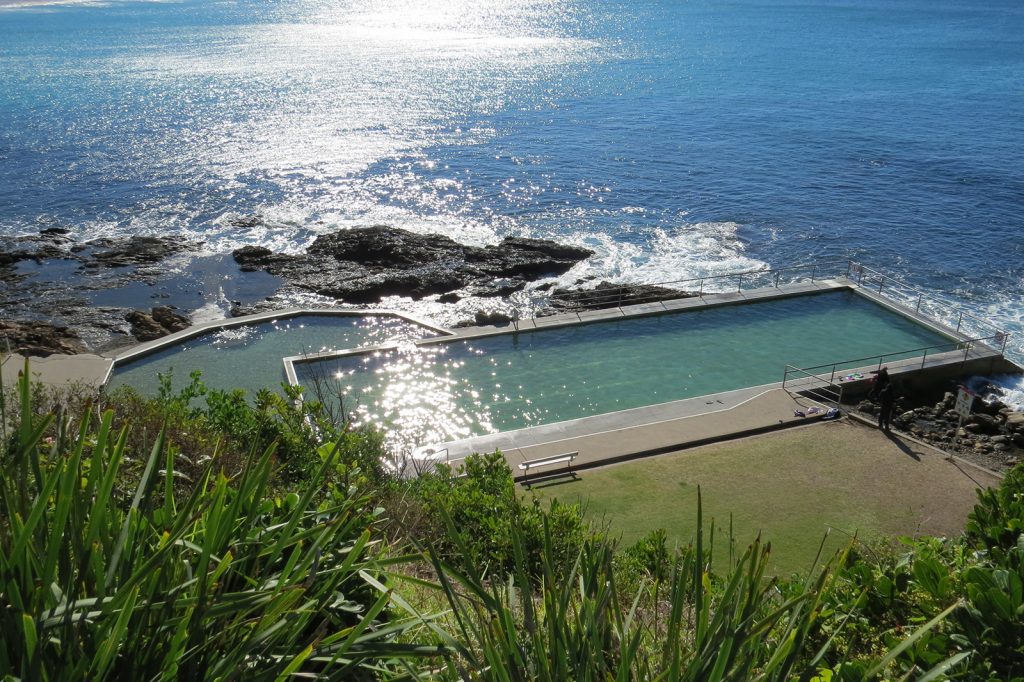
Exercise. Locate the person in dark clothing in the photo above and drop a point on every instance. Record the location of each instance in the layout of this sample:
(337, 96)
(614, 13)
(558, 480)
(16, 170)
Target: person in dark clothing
(880, 381)
(886, 401)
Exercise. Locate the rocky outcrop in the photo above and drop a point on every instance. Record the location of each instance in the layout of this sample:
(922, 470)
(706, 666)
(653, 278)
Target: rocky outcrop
(608, 295)
(992, 436)
(38, 339)
(136, 250)
(364, 265)
(160, 322)
(56, 243)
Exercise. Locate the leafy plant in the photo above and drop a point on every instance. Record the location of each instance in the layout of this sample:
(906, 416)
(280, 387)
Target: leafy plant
(229, 582)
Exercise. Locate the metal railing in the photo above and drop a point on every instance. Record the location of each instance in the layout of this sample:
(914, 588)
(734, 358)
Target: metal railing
(633, 294)
(902, 359)
(915, 298)
(814, 386)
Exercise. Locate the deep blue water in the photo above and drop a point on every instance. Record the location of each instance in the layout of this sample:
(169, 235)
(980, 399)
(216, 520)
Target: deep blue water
(678, 138)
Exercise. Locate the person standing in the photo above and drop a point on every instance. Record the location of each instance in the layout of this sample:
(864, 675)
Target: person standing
(886, 402)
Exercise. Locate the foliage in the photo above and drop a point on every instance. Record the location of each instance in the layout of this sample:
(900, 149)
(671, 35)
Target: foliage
(570, 625)
(481, 500)
(160, 539)
(229, 582)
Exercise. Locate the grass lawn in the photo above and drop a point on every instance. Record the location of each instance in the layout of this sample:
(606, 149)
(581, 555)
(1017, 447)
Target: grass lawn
(796, 486)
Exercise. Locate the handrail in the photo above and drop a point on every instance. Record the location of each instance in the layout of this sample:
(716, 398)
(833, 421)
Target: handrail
(966, 345)
(859, 269)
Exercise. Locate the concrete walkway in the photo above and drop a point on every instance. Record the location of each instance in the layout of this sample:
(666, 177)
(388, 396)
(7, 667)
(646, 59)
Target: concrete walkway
(58, 370)
(629, 434)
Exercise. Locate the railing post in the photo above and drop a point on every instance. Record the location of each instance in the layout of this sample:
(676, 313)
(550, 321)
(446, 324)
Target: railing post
(918, 308)
(881, 283)
(960, 321)
(814, 270)
(739, 282)
(832, 377)
(924, 357)
(777, 273)
(700, 293)
(849, 267)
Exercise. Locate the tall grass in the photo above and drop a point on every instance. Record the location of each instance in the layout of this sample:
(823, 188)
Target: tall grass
(224, 582)
(579, 624)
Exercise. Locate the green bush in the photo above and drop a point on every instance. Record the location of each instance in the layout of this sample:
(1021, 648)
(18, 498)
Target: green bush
(482, 501)
(230, 580)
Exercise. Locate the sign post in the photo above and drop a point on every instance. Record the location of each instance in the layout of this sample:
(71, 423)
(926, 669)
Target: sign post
(964, 401)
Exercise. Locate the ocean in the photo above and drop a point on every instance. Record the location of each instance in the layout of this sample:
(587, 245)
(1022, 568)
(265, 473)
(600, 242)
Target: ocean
(676, 138)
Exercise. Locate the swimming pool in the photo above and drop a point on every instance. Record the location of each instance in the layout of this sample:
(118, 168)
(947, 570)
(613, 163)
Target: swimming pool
(250, 356)
(442, 390)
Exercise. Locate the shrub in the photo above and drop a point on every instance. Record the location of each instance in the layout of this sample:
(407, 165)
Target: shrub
(483, 502)
(231, 581)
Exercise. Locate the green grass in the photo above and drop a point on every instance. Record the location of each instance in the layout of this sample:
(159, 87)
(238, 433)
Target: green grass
(794, 487)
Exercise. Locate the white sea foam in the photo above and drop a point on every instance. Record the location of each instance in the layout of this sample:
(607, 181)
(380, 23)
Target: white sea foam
(686, 252)
(1011, 387)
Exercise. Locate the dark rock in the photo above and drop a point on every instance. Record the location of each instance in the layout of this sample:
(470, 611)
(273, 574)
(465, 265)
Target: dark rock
(991, 408)
(38, 339)
(135, 250)
(484, 318)
(450, 297)
(169, 319)
(162, 321)
(364, 265)
(608, 295)
(144, 327)
(986, 423)
(868, 407)
(247, 221)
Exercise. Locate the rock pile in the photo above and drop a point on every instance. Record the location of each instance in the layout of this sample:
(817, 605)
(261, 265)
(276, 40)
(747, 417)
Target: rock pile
(992, 436)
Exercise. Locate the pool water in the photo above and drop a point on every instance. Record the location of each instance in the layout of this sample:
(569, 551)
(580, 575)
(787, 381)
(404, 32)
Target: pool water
(250, 357)
(438, 392)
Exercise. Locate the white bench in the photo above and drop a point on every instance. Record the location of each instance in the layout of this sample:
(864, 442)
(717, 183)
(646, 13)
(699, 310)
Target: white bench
(566, 457)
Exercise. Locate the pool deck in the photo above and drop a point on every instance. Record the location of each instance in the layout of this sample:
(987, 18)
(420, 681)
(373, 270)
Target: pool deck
(640, 432)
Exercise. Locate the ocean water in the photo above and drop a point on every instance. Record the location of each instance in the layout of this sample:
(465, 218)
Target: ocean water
(677, 138)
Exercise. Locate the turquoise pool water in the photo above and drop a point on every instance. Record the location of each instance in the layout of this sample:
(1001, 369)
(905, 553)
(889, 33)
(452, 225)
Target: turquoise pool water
(439, 392)
(250, 356)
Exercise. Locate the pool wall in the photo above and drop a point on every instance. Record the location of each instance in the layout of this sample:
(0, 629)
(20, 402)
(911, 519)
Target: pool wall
(149, 347)
(976, 358)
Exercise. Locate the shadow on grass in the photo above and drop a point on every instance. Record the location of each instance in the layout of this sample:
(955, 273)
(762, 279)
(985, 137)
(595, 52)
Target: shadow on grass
(550, 481)
(904, 448)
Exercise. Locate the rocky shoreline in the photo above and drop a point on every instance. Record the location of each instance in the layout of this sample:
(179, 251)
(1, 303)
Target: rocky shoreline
(64, 296)
(991, 437)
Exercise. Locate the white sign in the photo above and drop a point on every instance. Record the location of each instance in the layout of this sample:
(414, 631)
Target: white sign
(964, 400)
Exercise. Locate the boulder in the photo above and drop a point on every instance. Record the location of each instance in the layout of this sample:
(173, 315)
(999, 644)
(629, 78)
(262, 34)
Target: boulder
(144, 327)
(1015, 421)
(160, 322)
(986, 423)
(38, 339)
(608, 295)
(168, 318)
